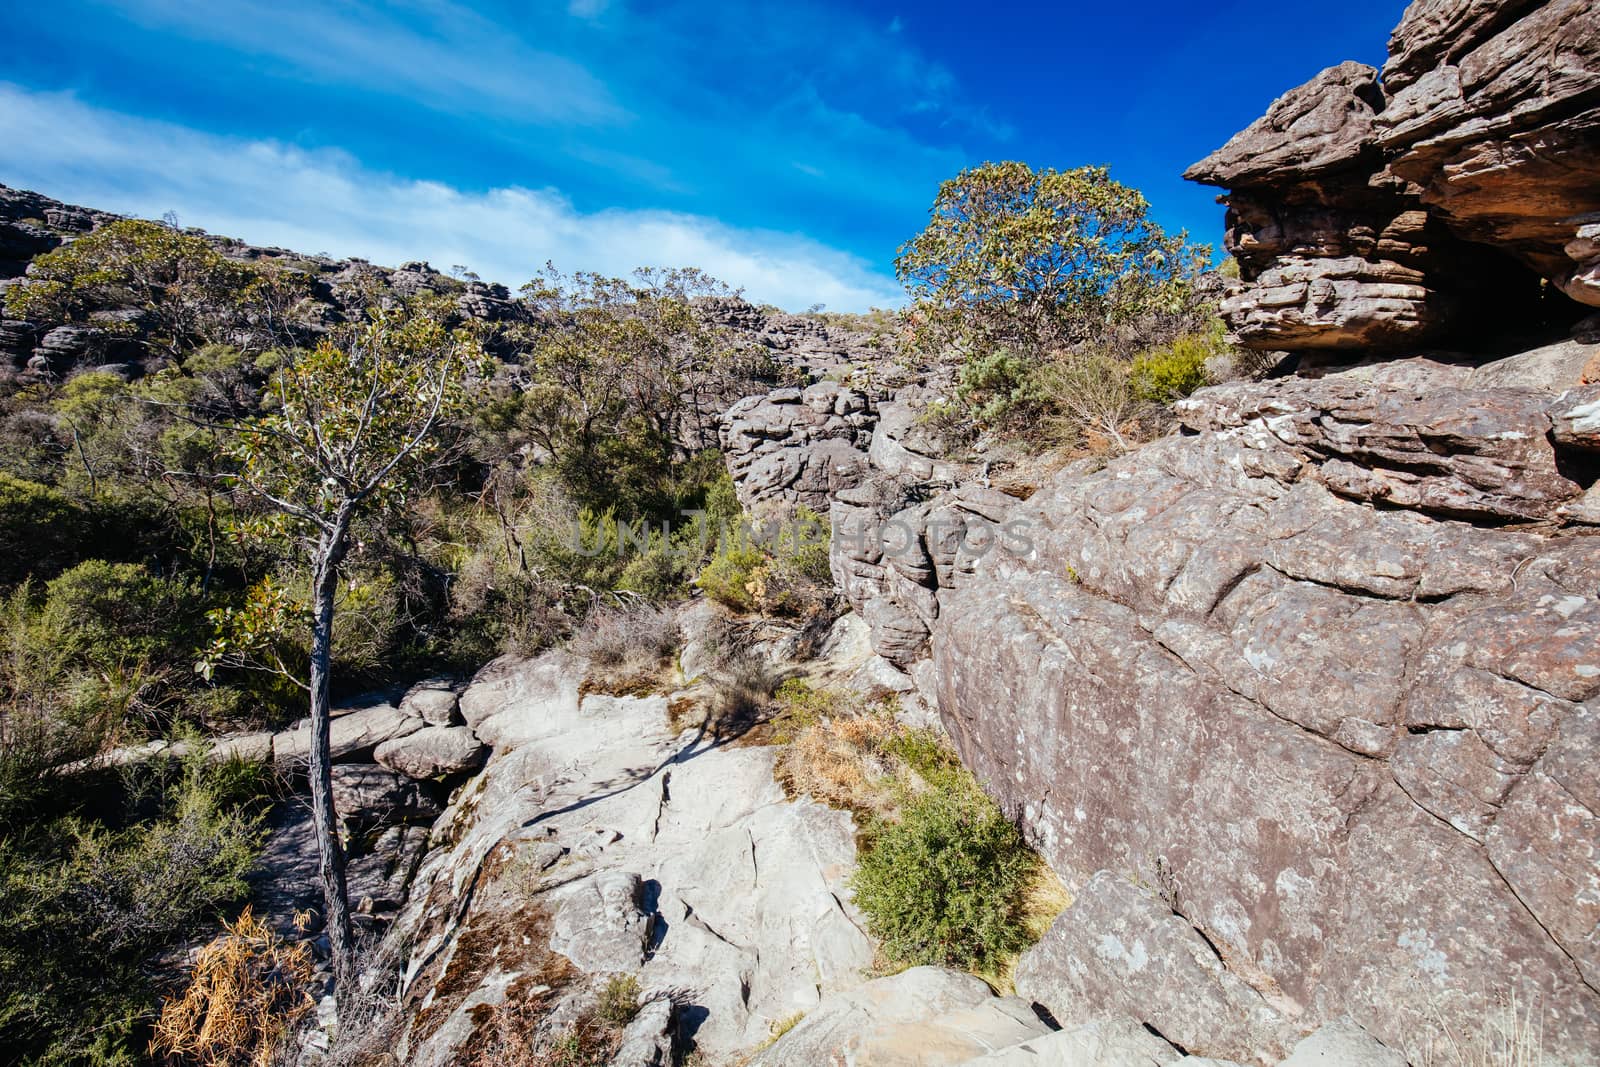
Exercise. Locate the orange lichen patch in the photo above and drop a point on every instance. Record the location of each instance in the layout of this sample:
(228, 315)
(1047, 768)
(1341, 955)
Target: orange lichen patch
(1591, 371)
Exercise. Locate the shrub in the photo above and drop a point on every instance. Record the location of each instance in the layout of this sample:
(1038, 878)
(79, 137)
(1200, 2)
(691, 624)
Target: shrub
(51, 711)
(83, 909)
(246, 992)
(1039, 261)
(729, 577)
(999, 389)
(614, 636)
(626, 645)
(782, 570)
(189, 291)
(619, 1000)
(116, 614)
(743, 683)
(1163, 375)
(1092, 401)
(946, 884)
(41, 530)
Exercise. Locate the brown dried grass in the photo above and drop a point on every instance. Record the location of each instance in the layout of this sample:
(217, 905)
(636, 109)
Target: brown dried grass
(247, 992)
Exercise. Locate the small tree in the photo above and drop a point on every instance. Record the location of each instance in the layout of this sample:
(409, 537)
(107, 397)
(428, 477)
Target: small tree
(1040, 260)
(354, 431)
(623, 374)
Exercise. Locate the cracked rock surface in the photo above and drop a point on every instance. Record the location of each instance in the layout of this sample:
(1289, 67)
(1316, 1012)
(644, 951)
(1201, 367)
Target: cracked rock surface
(628, 848)
(1300, 700)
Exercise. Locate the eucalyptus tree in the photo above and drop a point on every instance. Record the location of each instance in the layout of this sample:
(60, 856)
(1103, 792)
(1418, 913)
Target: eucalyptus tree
(353, 430)
(1040, 260)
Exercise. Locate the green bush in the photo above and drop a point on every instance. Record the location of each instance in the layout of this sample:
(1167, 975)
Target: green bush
(999, 389)
(118, 615)
(946, 884)
(52, 712)
(730, 575)
(41, 530)
(1163, 375)
(83, 910)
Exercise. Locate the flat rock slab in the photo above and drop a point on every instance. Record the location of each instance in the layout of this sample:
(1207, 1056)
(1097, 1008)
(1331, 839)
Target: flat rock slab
(923, 1017)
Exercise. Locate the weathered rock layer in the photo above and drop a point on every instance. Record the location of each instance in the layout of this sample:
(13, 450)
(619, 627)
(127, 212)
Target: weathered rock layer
(1428, 205)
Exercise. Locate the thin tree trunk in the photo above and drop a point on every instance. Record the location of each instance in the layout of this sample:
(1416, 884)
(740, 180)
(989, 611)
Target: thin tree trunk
(335, 895)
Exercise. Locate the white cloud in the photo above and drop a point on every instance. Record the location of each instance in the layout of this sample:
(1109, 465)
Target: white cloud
(587, 9)
(437, 53)
(270, 193)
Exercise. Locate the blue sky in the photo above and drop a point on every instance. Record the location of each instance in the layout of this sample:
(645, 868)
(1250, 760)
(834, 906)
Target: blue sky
(788, 147)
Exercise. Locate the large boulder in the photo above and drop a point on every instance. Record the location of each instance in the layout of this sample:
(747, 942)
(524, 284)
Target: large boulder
(1311, 676)
(434, 700)
(433, 752)
(369, 795)
(1118, 1042)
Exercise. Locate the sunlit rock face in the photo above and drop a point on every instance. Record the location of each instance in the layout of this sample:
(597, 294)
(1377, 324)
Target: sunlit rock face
(1430, 202)
(1299, 700)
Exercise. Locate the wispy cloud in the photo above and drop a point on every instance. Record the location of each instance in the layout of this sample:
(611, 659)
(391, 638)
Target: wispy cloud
(434, 52)
(314, 201)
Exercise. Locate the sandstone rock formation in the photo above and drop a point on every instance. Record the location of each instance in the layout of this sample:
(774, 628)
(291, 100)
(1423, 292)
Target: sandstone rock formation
(924, 1016)
(794, 447)
(1296, 699)
(599, 833)
(1427, 206)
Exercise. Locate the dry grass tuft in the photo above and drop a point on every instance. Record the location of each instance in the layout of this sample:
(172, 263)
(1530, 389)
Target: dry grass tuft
(843, 763)
(628, 648)
(1511, 1035)
(248, 991)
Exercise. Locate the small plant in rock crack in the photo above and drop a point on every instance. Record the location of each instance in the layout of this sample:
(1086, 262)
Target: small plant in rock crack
(619, 1000)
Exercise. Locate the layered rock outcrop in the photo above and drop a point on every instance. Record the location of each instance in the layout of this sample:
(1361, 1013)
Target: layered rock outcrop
(797, 447)
(1426, 206)
(1299, 700)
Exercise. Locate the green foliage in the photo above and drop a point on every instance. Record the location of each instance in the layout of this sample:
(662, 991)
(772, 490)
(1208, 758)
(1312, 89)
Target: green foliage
(1040, 260)
(730, 576)
(1173, 371)
(622, 371)
(182, 284)
(999, 388)
(946, 884)
(42, 530)
(116, 615)
(83, 907)
(619, 1000)
(52, 710)
(354, 417)
(926, 752)
(781, 567)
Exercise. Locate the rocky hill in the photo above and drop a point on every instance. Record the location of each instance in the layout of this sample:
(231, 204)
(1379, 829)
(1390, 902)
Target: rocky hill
(32, 224)
(1300, 701)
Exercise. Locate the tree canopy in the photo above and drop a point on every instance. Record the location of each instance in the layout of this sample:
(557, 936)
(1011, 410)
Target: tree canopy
(1040, 259)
